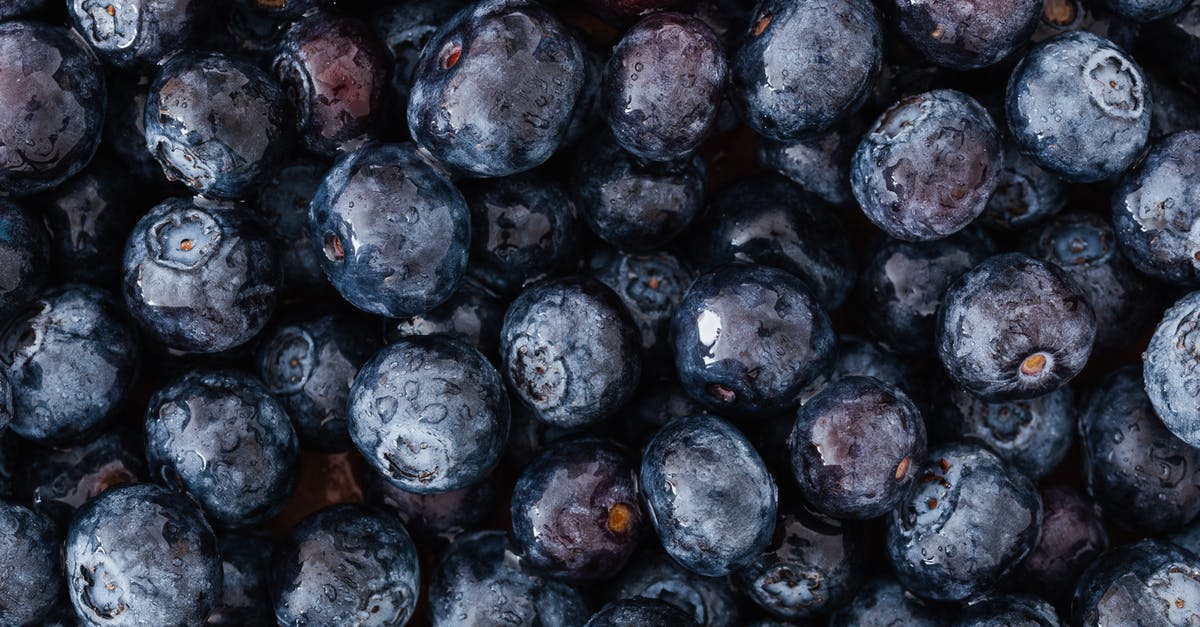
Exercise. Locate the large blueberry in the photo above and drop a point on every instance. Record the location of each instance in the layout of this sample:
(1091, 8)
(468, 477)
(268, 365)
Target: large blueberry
(431, 516)
(283, 202)
(1171, 366)
(138, 32)
(246, 564)
(650, 285)
(1145, 583)
(883, 602)
(966, 35)
(30, 568)
(711, 601)
(1025, 195)
(89, 216)
(1072, 537)
(57, 481)
(24, 256)
(472, 314)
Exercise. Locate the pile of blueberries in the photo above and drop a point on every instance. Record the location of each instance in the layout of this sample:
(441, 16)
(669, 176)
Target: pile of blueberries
(668, 313)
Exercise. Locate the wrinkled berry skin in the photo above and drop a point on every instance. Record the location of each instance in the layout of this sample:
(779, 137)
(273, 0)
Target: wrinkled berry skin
(89, 216)
(748, 339)
(72, 359)
(969, 522)
(650, 286)
(1171, 367)
(246, 564)
(818, 163)
(663, 85)
(473, 315)
(928, 166)
(200, 276)
(30, 571)
(392, 233)
(1026, 194)
(334, 70)
(1145, 583)
(222, 438)
(494, 90)
(883, 602)
(25, 254)
(405, 29)
(639, 612)
(52, 100)
(1079, 107)
(805, 64)
(429, 413)
(966, 35)
(309, 365)
(431, 516)
(127, 33)
(1007, 610)
(346, 564)
(216, 124)
(813, 565)
(855, 448)
(140, 554)
(479, 579)
(1155, 206)
(1141, 475)
(1072, 537)
(56, 482)
(283, 202)
(571, 352)
(711, 601)
(698, 465)
(1015, 327)
(1145, 10)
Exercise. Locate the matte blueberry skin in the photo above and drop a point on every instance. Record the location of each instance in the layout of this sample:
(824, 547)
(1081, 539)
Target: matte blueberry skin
(56, 482)
(662, 86)
(283, 202)
(650, 285)
(1172, 44)
(429, 413)
(89, 216)
(710, 497)
(221, 437)
(25, 256)
(246, 566)
(1079, 107)
(30, 570)
(966, 35)
(1026, 195)
(431, 516)
(346, 564)
(392, 232)
(969, 522)
(140, 554)
(472, 314)
(52, 101)
(711, 601)
(639, 613)
(1171, 367)
(813, 565)
(928, 165)
(883, 602)
(1145, 10)
(748, 339)
(771, 221)
(335, 71)
(818, 163)
(1145, 583)
(1006, 313)
(494, 90)
(523, 228)
(404, 30)
(805, 64)
(1009, 609)
(570, 351)
(855, 448)
(1154, 208)
(127, 33)
(309, 365)
(1072, 537)
(72, 358)
(200, 276)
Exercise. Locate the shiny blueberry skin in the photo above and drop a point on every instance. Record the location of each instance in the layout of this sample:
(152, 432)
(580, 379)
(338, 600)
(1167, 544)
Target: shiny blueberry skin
(771, 221)
(748, 339)
(1172, 44)
(571, 351)
(969, 522)
(639, 612)
(200, 276)
(451, 428)
(650, 285)
(1025, 195)
(221, 437)
(1015, 327)
(663, 85)
(392, 233)
(140, 554)
(283, 202)
(334, 70)
(1079, 107)
(479, 580)
(25, 256)
(1146, 583)
(246, 564)
(819, 163)
(346, 564)
(89, 216)
(1145, 10)
(126, 33)
(928, 166)
(494, 90)
(1007, 610)
(1139, 473)
(52, 100)
(695, 466)
(805, 64)
(72, 359)
(1155, 206)
(1072, 537)
(966, 35)
(405, 29)
(711, 601)
(30, 570)
(473, 314)
(1171, 367)
(883, 602)
(855, 448)
(430, 516)
(56, 482)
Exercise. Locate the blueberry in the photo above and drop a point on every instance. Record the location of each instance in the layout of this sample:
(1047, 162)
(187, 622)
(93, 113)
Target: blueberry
(1014, 327)
(200, 276)
(479, 581)
(472, 314)
(969, 522)
(639, 612)
(708, 494)
(928, 166)
(1145, 583)
(586, 116)
(452, 425)
(26, 254)
(138, 32)
(89, 216)
(663, 85)
(857, 357)
(1170, 369)
(818, 163)
(246, 564)
(966, 36)
(1072, 537)
(570, 351)
(1079, 107)
(72, 359)
(803, 65)
(140, 554)
(650, 285)
(494, 90)
(748, 339)
(56, 482)
(345, 564)
(243, 32)
(1026, 194)
(1172, 44)
(1007, 610)
(1062, 16)
(405, 29)
(283, 202)
(855, 448)
(1145, 10)
(52, 99)
(883, 602)
(430, 516)
(30, 570)
(711, 601)
(309, 365)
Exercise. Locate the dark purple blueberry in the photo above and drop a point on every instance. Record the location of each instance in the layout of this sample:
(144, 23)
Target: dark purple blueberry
(1171, 367)
(30, 568)
(966, 35)
(1145, 583)
(138, 32)
(473, 314)
(711, 601)
(246, 563)
(430, 516)
(650, 286)
(1007, 610)
(25, 256)
(1173, 43)
(883, 602)
(283, 203)
(639, 612)
(1025, 195)
(89, 216)
(1072, 537)
(818, 163)
(56, 482)
(405, 29)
